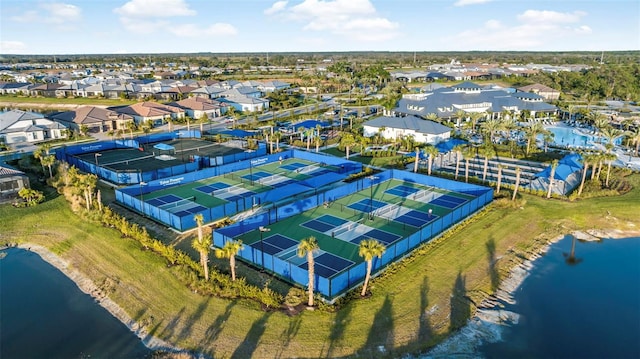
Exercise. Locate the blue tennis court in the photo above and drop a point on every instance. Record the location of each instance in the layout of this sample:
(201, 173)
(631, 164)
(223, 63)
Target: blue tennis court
(383, 236)
(448, 201)
(367, 205)
(239, 196)
(415, 218)
(327, 264)
(275, 244)
(324, 223)
(402, 191)
(208, 189)
(256, 175)
(190, 211)
(159, 201)
(293, 166)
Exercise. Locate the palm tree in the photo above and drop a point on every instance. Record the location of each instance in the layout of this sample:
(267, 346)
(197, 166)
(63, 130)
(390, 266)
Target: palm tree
(571, 109)
(431, 153)
(586, 158)
(417, 158)
(460, 115)
(532, 132)
(230, 250)
(515, 188)
(475, 116)
(554, 165)
(131, 125)
(490, 127)
(467, 153)
(202, 245)
(486, 151)
(432, 116)
(347, 141)
(48, 161)
(458, 151)
(306, 247)
(500, 167)
(609, 157)
(611, 134)
(368, 249)
(634, 137)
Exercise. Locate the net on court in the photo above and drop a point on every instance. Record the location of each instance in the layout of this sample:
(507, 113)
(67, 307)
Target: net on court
(231, 193)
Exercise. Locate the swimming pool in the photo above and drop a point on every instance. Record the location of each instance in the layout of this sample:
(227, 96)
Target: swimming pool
(572, 137)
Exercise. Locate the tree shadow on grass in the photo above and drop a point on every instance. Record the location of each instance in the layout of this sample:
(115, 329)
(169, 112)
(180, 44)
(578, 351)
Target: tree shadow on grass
(342, 319)
(381, 333)
(192, 319)
(289, 333)
(216, 327)
(170, 328)
(460, 307)
(425, 331)
(493, 269)
(250, 342)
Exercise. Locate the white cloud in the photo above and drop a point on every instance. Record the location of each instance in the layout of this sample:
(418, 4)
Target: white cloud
(12, 47)
(534, 30)
(51, 13)
(276, 7)
(154, 9)
(470, 2)
(550, 17)
(354, 19)
(143, 26)
(191, 30)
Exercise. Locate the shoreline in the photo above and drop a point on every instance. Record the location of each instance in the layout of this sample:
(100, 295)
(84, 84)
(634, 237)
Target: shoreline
(485, 326)
(87, 286)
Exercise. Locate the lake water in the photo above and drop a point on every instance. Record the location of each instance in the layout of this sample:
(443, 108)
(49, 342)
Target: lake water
(590, 309)
(45, 315)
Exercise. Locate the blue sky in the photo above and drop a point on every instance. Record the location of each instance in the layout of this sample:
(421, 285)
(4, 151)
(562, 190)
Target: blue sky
(161, 26)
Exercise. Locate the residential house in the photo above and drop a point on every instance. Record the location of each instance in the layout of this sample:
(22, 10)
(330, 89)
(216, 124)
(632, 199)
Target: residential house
(16, 88)
(395, 128)
(157, 113)
(246, 103)
(44, 90)
(18, 126)
(175, 93)
(96, 119)
(274, 85)
(11, 182)
(211, 91)
(201, 107)
(546, 92)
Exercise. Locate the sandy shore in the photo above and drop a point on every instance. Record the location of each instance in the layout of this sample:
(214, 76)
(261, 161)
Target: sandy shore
(487, 325)
(87, 286)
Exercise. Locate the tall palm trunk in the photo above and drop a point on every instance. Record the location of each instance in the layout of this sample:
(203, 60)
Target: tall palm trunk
(457, 164)
(515, 189)
(486, 166)
(584, 176)
(311, 276)
(232, 263)
(366, 279)
(466, 170)
(553, 172)
(415, 164)
(499, 179)
(606, 183)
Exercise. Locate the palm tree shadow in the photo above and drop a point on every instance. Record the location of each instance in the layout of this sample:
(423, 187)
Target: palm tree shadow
(248, 346)
(570, 258)
(186, 330)
(342, 319)
(425, 331)
(216, 327)
(381, 333)
(459, 302)
(290, 333)
(491, 258)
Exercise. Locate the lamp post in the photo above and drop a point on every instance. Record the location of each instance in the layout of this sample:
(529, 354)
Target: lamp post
(96, 155)
(262, 230)
(372, 178)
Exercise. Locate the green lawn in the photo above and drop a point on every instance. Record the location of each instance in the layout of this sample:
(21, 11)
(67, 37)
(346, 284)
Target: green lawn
(469, 262)
(69, 101)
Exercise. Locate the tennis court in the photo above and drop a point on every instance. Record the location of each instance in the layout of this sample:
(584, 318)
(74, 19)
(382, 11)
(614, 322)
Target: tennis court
(388, 212)
(401, 213)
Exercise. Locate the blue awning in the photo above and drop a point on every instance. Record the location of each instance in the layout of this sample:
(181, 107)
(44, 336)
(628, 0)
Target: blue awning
(164, 147)
(448, 145)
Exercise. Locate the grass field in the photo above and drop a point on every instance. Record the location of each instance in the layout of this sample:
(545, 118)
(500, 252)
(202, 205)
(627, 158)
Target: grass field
(413, 305)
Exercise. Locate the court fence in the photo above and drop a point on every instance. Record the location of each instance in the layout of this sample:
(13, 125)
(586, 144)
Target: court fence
(127, 177)
(308, 191)
(338, 284)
